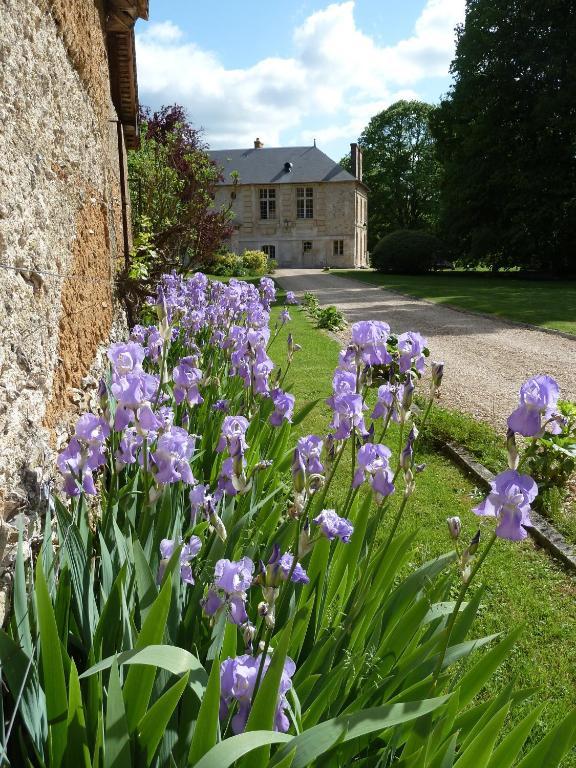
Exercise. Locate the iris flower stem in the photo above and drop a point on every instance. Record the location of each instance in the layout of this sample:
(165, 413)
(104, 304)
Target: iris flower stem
(162, 371)
(328, 482)
(454, 615)
(262, 662)
(385, 428)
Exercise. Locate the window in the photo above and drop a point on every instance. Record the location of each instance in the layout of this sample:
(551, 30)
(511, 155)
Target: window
(338, 248)
(269, 250)
(304, 203)
(267, 203)
(307, 246)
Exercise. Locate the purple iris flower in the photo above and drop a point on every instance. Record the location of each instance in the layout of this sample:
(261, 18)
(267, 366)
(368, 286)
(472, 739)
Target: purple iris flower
(187, 554)
(283, 406)
(299, 575)
(285, 317)
(268, 291)
(128, 448)
(232, 435)
(343, 383)
(369, 337)
(291, 298)
(333, 526)
(186, 378)
(347, 415)
(92, 430)
(126, 357)
(237, 682)
(389, 402)
(509, 502)
(134, 393)
(372, 465)
(172, 456)
(538, 398)
(306, 460)
(231, 581)
(72, 463)
(411, 346)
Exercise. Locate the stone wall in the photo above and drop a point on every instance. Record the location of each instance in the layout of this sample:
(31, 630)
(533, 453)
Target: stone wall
(60, 223)
(339, 210)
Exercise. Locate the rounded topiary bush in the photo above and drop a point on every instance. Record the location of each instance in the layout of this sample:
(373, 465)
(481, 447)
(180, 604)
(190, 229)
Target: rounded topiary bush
(407, 251)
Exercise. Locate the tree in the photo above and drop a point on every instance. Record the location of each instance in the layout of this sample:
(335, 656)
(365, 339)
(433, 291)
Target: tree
(506, 135)
(172, 183)
(401, 170)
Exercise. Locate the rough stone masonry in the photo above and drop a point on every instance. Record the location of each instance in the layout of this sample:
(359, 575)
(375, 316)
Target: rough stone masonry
(61, 226)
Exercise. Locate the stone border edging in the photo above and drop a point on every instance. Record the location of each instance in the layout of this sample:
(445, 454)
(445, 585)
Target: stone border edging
(464, 311)
(540, 530)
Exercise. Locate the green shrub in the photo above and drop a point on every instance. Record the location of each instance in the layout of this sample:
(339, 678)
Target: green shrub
(255, 262)
(229, 264)
(311, 303)
(406, 251)
(331, 318)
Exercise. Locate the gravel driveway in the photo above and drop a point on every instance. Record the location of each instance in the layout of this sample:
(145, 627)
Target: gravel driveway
(487, 359)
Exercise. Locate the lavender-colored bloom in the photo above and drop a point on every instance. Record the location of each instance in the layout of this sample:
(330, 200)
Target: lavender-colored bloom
(407, 453)
(333, 526)
(372, 465)
(225, 483)
(437, 370)
(128, 448)
(389, 402)
(347, 415)
(231, 580)
(187, 377)
(72, 463)
(234, 576)
(232, 435)
(538, 398)
(126, 357)
(343, 383)
(454, 526)
(306, 460)
(222, 405)
(509, 502)
(92, 430)
(138, 334)
(285, 317)
(369, 337)
(267, 290)
(299, 575)
(411, 346)
(237, 682)
(283, 406)
(172, 456)
(291, 298)
(187, 554)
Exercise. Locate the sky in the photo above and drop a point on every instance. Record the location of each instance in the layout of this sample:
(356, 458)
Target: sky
(289, 72)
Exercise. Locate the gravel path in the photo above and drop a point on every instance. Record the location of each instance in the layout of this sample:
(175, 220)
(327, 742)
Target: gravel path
(487, 359)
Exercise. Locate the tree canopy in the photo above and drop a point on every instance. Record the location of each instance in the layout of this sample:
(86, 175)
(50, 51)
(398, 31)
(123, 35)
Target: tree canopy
(506, 135)
(401, 170)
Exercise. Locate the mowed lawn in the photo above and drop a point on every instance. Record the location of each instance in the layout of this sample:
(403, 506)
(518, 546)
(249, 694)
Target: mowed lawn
(524, 586)
(545, 303)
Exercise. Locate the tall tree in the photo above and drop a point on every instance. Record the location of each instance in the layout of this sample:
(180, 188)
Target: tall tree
(507, 135)
(400, 169)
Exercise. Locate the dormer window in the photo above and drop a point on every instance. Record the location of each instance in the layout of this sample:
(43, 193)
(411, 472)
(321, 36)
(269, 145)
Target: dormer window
(304, 203)
(267, 203)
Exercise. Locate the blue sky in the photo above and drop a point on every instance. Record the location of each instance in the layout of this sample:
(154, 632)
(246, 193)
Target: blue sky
(289, 72)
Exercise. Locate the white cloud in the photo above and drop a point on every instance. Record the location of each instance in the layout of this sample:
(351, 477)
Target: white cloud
(337, 78)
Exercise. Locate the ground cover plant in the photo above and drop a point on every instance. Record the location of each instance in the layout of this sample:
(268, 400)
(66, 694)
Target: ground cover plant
(203, 600)
(545, 303)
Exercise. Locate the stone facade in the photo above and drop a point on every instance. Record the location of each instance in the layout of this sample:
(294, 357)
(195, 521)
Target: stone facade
(337, 231)
(62, 222)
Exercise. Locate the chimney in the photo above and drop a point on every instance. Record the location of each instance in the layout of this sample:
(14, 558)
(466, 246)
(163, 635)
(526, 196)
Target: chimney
(356, 156)
(258, 144)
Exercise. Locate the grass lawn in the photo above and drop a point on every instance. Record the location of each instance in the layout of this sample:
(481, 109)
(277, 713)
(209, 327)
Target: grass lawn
(545, 303)
(523, 585)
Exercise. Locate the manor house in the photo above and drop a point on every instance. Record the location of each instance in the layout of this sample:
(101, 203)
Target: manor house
(295, 204)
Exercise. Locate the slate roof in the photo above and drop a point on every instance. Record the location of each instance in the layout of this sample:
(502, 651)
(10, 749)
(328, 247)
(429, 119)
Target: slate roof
(266, 165)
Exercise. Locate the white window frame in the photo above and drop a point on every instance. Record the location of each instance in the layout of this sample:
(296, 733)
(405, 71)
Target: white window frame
(304, 202)
(267, 200)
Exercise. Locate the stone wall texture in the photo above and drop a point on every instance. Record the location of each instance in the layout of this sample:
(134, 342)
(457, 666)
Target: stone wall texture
(60, 224)
(339, 214)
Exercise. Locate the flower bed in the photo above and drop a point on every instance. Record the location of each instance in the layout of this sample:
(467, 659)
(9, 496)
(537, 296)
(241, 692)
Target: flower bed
(204, 599)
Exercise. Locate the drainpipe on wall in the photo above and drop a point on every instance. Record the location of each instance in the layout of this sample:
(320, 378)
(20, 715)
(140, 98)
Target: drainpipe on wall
(123, 194)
